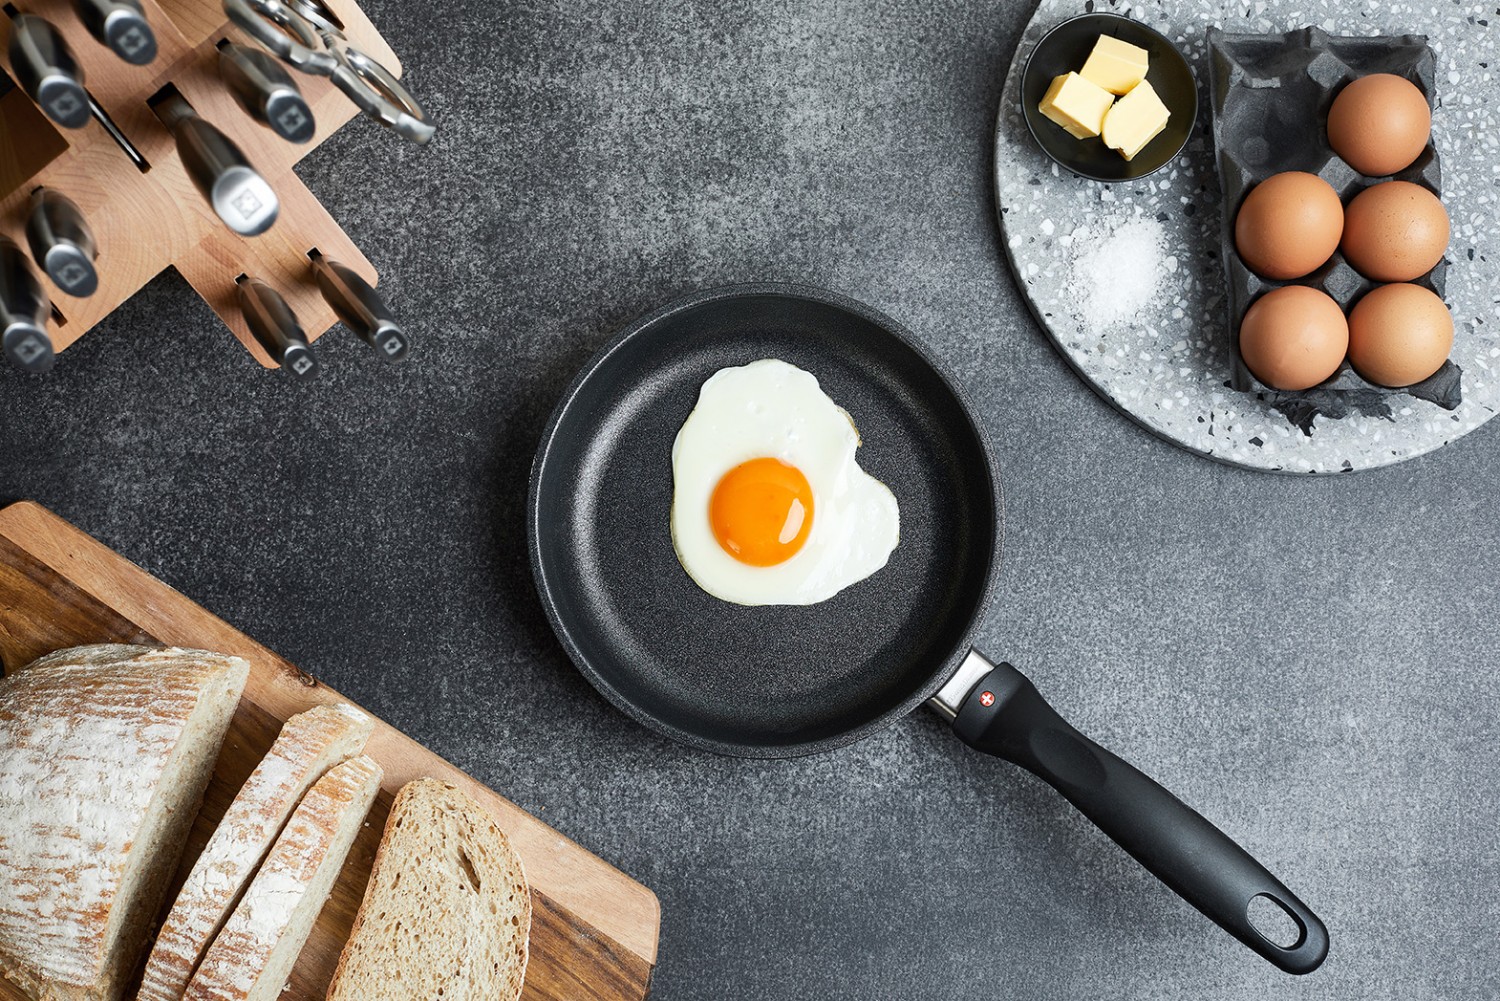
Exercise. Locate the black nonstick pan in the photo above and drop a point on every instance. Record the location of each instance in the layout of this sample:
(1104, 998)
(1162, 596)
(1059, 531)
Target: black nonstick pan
(777, 681)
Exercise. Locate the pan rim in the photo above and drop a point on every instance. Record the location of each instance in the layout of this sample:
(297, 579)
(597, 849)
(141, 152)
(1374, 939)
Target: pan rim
(942, 669)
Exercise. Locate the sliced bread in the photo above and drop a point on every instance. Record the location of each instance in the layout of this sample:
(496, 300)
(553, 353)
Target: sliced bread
(308, 746)
(254, 952)
(447, 912)
(104, 755)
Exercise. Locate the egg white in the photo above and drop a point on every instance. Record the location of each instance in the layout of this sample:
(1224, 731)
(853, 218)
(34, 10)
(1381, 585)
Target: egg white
(771, 408)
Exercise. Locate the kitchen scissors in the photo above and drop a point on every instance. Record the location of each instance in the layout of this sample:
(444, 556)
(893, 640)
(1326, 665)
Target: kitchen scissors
(303, 34)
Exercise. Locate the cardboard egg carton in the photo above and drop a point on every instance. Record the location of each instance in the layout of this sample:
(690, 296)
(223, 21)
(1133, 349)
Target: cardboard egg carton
(1271, 95)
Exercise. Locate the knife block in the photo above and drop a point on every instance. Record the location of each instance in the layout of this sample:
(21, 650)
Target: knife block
(147, 220)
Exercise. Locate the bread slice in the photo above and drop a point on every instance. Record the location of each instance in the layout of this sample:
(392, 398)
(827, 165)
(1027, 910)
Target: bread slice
(308, 746)
(253, 954)
(447, 912)
(104, 755)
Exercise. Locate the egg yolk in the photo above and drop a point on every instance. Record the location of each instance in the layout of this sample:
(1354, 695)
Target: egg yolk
(762, 511)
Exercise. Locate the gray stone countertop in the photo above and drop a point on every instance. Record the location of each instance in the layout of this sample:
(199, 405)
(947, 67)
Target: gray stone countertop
(1309, 661)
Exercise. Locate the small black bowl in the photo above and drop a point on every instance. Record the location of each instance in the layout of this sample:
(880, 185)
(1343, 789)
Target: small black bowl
(1065, 48)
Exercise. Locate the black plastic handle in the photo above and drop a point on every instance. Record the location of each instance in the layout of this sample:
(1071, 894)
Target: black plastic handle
(1004, 715)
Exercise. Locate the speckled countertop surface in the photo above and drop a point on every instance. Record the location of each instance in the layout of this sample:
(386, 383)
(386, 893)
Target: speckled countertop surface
(1167, 363)
(1307, 660)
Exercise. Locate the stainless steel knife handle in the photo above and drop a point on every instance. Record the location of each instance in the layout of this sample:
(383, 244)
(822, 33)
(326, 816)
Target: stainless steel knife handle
(24, 311)
(275, 326)
(239, 195)
(121, 25)
(47, 70)
(360, 308)
(62, 244)
(266, 91)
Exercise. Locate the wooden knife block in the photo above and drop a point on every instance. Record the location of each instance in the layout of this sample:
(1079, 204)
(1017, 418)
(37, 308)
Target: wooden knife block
(152, 219)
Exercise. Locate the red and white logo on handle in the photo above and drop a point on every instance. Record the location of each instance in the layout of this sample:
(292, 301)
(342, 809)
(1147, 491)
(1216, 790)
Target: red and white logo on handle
(986, 699)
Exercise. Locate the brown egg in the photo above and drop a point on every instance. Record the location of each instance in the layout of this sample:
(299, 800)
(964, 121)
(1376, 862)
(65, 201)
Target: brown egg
(1379, 124)
(1395, 231)
(1399, 335)
(1288, 225)
(1293, 337)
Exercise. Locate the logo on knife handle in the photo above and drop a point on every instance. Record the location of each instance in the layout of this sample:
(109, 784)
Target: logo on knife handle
(247, 204)
(31, 348)
(292, 120)
(986, 699)
(133, 41)
(66, 105)
(72, 275)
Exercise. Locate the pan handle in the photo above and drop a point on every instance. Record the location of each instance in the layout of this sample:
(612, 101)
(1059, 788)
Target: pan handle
(1004, 715)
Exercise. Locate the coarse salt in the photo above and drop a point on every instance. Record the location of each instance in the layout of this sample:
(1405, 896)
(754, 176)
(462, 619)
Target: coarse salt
(1119, 271)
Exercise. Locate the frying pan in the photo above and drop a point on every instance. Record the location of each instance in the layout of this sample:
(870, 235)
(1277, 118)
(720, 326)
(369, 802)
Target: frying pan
(778, 681)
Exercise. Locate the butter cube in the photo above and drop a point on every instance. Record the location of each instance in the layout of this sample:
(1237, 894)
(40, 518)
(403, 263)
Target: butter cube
(1115, 65)
(1136, 119)
(1076, 105)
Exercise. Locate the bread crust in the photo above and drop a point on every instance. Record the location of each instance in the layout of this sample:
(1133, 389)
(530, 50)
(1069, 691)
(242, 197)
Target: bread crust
(500, 860)
(104, 755)
(255, 950)
(309, 745)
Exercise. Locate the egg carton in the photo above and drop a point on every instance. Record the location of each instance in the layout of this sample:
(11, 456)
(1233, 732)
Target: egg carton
(1271, 95)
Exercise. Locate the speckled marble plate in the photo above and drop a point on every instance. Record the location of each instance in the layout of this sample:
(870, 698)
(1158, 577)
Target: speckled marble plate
(1168, 366)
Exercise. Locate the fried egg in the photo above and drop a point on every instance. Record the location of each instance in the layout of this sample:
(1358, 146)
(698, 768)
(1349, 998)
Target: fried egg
(769, 506)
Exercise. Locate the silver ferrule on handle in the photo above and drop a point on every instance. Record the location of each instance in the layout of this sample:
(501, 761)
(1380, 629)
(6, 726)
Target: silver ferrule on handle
(950, 698)
(61, 242)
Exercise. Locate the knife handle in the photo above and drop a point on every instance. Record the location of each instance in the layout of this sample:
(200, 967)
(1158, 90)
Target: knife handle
(275, 326)
(62, 244)
(47, 71)
(222, 173)
(266, 91)
(360, 308)
(1006, 716)
(24, 311)
(122, 26)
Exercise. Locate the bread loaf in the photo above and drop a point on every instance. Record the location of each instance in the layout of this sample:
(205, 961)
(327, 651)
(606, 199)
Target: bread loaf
(447, 912)
(309, 745)
(104, 755)
(254, 952)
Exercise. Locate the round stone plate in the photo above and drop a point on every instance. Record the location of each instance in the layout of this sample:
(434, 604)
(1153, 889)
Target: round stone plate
(1167, 365)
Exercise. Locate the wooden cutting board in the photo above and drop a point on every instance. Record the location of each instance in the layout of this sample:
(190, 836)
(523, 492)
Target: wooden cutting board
(594, 930)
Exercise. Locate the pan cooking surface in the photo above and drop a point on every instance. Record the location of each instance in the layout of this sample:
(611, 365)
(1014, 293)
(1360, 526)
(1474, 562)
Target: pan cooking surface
(769, 680)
